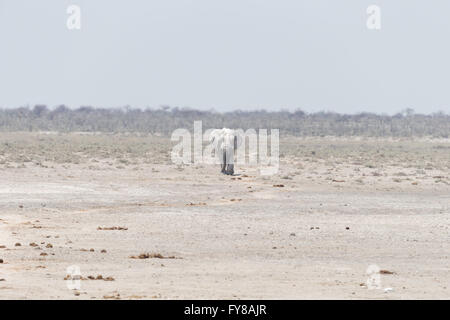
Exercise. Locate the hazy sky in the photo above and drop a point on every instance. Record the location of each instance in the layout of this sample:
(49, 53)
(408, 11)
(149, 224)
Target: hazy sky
(227, 54)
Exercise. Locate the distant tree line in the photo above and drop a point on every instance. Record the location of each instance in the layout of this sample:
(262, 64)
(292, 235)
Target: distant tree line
(165, 119)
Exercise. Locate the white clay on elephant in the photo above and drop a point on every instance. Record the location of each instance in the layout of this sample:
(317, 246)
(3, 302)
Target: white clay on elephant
(225, 141)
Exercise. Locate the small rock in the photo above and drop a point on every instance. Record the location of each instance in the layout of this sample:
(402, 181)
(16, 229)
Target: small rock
(386, 272)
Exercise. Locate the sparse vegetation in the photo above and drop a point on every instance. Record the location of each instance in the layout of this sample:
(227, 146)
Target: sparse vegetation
(164, 120)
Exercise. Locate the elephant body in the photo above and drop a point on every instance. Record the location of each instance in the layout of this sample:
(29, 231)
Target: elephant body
(225, 142)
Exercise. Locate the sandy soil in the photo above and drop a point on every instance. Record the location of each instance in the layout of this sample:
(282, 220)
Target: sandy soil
(336, 207)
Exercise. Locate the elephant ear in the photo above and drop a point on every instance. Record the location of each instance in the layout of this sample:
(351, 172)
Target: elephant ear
(238, 138)
(214, 135)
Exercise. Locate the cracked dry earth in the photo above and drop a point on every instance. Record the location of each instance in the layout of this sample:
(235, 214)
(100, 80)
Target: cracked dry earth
(148, 229)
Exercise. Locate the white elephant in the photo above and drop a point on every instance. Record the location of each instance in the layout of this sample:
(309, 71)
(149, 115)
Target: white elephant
(225, 142)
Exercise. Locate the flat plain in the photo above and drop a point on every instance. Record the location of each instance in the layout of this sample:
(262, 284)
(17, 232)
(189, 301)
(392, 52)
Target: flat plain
(137, 226)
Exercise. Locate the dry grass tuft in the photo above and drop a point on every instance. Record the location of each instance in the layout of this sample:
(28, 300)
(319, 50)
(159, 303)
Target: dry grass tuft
(112, 228)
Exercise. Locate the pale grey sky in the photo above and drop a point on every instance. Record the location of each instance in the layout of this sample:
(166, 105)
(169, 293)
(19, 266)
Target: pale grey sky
(227, 54)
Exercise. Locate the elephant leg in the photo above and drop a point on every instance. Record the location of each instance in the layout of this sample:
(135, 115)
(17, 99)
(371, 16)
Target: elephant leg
(223, 163)
(230, 162)
(230, 169)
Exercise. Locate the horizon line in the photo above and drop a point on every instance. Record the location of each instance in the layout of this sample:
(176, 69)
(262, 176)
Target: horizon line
(168, 108)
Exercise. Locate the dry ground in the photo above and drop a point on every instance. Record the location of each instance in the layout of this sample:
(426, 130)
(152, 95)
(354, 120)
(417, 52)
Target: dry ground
(341, 205)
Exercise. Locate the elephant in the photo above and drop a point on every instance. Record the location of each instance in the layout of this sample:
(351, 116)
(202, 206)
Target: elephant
(225, 142)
